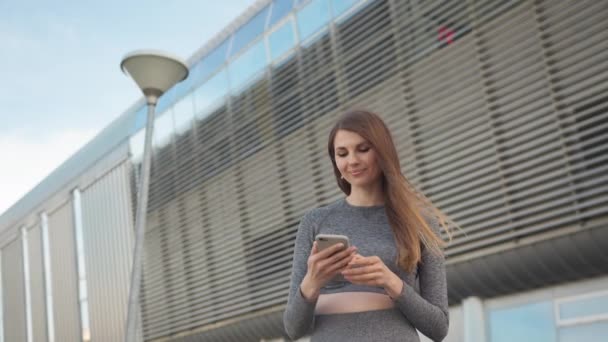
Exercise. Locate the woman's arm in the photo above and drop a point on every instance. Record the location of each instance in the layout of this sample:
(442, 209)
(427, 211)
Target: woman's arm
(428, 311)
(298, 317)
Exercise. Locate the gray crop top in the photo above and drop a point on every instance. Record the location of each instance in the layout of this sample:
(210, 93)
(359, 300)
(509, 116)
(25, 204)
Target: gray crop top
(423, 300)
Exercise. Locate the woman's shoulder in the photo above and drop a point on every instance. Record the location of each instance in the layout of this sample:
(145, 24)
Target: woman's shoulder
(316, 215)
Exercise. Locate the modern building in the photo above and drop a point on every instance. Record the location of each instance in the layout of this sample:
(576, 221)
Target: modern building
(500, 113)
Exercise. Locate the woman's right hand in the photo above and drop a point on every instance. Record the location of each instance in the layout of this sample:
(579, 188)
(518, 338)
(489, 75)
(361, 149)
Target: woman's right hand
(323, 266)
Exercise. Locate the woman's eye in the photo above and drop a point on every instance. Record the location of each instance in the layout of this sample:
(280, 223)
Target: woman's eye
(341, 155)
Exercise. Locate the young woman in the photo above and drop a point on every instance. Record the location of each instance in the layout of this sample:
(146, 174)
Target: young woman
(394, 270)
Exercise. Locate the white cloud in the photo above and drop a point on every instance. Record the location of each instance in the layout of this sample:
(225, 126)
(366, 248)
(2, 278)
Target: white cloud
(27, 162)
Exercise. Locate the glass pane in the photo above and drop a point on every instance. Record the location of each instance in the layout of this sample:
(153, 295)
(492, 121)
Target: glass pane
(593, 332)
(209, 64)
(281, 40)
(210, 94)
(247, 65)
(140, 118)
(136, 143)
(183, 113)
(250, 31)
(166, 100)
(590, 306)
(163, 129)
(185, 86)
(312, 17)
(340, 6)
(532, 322)
(280, 8)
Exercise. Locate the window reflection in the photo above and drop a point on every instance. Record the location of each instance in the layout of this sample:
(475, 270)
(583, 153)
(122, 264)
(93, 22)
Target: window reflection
(593, 332)
(340, 6)
(210, 63)
(280, 8)
(532, 322)
(163, 129)
(281, 40)
(248, 32)
(136, 144)
(312, 17)
(247, 65)
(166, 100)
(182, 88)
(210, 94)
(584, 307)
(183, 113)
(140, 118)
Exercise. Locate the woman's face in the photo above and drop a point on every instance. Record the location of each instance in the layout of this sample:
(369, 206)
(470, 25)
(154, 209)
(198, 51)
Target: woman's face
(356, 159)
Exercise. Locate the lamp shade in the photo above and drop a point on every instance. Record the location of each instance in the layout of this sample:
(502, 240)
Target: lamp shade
(154, 71)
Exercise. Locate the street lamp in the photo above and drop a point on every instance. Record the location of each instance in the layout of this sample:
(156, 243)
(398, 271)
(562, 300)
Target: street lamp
(154, 72)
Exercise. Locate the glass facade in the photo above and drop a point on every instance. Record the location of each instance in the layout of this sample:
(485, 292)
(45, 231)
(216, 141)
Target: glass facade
(210, 94)
(244, 56)
(247, 65)
(280, 9)
(313, 17)
(247, 33)
(163, 129)
(339, 7)
(577, 318)
(183, 114)
(281, 40)
(583, 308)
(531, 322)
(591, 332)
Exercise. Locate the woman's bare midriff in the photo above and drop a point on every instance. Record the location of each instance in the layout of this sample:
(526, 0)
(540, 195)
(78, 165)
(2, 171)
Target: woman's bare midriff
(348, 302)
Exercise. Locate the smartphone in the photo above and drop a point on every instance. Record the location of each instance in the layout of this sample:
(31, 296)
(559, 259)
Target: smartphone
(327, 240)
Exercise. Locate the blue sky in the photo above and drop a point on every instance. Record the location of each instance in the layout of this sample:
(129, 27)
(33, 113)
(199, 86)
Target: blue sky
(61, 81)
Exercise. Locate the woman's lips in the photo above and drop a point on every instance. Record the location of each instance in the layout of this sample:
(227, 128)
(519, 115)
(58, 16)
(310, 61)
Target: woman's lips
(357, 173)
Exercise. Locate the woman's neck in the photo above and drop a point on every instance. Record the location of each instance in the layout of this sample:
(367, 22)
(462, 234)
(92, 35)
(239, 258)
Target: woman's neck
(366, 197)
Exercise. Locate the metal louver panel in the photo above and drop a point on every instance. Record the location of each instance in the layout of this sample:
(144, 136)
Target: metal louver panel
(499, 112)
(64, 274)
(108, 244)
(13, 292)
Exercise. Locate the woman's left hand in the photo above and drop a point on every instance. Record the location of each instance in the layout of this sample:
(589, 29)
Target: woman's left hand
(371, 271)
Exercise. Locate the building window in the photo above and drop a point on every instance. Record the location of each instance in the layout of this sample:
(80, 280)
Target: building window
(280, 9)
(583, 317)
(246, 66)
(531, 322)
(210, 95)
(312, 17)
(339, 7)
(281, 40)
(249, 32)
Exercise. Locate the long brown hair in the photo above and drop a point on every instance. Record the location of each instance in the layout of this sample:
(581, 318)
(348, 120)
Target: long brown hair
(405, 206)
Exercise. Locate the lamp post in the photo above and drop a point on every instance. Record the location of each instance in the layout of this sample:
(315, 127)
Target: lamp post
(154, 72)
